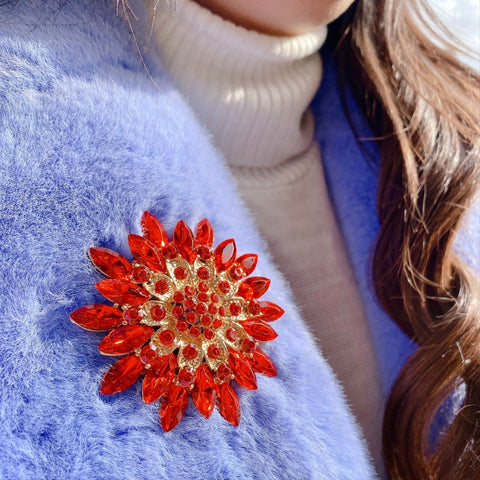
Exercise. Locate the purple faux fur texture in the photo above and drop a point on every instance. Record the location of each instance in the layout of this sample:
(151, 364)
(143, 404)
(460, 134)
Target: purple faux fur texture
(87, 143)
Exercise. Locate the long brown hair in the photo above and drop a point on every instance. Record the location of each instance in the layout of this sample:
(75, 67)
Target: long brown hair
(424, 108)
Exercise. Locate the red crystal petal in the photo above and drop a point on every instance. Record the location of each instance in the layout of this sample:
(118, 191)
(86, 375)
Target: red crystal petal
(228, 404)
(97, 317)
(259, 330)
(158, 378)
(145, 252)
(110, 263)
(120, 291)
(253, 287)
(270, 311)
(261, 363)
(204, 233)
(173, 407)
(125, 339)
(153, 230)
(183, 240)
(225, 255)
(203, 393)
(249, 262)
(122, 375)
(244, 375)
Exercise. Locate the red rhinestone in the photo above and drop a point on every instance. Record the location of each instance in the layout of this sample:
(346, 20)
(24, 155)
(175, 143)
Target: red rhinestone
(204, 252)
(248, 345)
(122, 292)
(244, 374)
(224, 287)
(190, 291)
(203, 393)
(222, 311)
(209, 334)
(125, 339)
(217, 323)
(206, 320)
(203, 273)
(146, 253)
(162, 287)
(132, 315)
(167, 337)
(109, 262)
(224, 373)
(190, 352)
(204, 233)
(140, 274)
(178, 311)
(185, 377)
(232, 334)
(259, 330)
(180, 273)
(262, 363)
(225, 255)
(215, 297)
(157, 312)
(213, 309)
(248, 261)
(235, 309)
(122, 375)
(195, 331)
(190, 303)
(172, 408)
(178, 297)
(191, 317)
(237, 272)
(182, 325)
(98, 317)
(203, 286)
(270, 311)
(214, 351)
(254, 307)
(153, 230)
(170, 251)
(201, 308)
(147, 354)
(203, 297)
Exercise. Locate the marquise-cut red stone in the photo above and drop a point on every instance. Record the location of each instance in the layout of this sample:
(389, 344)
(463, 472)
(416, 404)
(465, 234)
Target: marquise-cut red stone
(125, 339)
(270, 311)
(158, 378)
(122, 292)
(248, 261)
(261, 363)
(225, 255)
(259, 329)
(122, 375)
(183, 240)
(228, 404)
(110, 263)
(203, 393)
(173, 407)
(244, 375)
(146, 253)
(204, 233)
(153, 230)
(97, 317)
(253, 287)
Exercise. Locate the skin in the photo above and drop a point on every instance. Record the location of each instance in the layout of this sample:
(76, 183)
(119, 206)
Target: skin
(278, 17)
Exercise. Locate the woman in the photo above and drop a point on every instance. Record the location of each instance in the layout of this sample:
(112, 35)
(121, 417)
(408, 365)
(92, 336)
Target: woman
(89, 142)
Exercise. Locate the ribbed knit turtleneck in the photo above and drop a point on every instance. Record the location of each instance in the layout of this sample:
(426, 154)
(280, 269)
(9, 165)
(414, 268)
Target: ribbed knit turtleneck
(252, 91)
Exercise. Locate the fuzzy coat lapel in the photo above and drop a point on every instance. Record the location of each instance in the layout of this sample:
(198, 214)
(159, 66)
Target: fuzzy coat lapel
(87, 143)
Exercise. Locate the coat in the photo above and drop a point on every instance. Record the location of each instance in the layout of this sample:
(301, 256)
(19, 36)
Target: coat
(92, 134)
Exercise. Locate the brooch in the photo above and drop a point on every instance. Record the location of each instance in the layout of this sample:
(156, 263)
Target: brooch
(185, 315)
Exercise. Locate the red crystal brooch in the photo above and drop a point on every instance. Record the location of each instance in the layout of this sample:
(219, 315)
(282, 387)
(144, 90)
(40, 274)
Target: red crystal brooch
(186, 315)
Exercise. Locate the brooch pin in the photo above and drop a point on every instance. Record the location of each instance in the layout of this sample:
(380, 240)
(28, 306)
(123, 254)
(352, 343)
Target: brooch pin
(186, 315)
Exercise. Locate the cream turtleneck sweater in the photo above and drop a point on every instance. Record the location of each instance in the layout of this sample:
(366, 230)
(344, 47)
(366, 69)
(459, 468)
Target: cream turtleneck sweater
(252, 91)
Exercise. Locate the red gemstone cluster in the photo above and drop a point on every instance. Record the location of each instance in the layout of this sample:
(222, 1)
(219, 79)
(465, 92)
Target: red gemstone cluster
(186, 315)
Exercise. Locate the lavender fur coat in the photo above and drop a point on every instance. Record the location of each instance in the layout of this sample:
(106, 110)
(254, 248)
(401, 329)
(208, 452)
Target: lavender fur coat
(87, 143)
